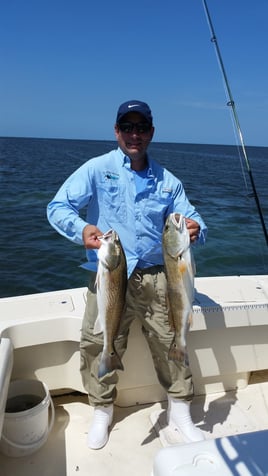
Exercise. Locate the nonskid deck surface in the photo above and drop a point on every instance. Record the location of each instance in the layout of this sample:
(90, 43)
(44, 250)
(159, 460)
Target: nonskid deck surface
(137, 434)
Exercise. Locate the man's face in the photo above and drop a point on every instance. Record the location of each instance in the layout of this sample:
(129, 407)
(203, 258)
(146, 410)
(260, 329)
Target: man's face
(134, 143)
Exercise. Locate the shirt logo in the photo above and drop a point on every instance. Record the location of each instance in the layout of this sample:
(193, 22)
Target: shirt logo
(111, 176)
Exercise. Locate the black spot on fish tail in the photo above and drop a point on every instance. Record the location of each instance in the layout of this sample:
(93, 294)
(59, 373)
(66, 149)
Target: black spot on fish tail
(108, 363)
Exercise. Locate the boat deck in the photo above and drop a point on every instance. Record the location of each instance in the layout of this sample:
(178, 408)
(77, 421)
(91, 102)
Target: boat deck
(137, 434)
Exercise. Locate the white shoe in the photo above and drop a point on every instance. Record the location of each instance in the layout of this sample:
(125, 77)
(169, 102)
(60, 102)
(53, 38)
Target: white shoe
(98, 432)
(179, 419)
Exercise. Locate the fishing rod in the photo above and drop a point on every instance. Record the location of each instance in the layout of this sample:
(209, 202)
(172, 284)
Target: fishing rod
(231, 104)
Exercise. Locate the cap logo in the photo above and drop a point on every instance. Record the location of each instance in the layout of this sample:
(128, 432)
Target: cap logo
(132, 105)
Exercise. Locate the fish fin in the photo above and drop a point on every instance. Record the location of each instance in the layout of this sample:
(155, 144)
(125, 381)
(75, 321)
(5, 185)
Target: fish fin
(98, 326)
(190, 320)
(109, 362)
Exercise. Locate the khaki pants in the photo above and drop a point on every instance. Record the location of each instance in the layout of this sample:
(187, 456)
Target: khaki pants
(145, 300)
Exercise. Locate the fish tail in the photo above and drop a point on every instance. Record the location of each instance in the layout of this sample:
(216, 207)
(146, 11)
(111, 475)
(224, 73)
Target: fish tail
(178, 353)
(109, 362)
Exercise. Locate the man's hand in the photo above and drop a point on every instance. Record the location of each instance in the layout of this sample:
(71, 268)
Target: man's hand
(193, 229)
(90, 237)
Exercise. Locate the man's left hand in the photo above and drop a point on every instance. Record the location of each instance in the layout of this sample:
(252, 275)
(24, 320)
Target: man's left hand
(193, 228)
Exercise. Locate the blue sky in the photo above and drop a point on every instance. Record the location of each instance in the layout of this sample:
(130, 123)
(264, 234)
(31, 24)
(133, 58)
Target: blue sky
(67, 65)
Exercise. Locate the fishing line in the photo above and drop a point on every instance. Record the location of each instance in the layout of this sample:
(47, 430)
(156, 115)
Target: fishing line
(231, 104)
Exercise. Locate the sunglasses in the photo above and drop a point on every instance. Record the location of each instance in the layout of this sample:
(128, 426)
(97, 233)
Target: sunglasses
(140, 127)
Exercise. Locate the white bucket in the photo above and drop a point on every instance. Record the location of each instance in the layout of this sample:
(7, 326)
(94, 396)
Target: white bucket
(26, 423)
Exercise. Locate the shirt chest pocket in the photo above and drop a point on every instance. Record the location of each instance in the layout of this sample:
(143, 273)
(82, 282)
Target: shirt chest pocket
(112, 201)
(156, 208)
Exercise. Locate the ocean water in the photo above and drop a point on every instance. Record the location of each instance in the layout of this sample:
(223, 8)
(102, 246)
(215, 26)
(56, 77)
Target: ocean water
(34, 258)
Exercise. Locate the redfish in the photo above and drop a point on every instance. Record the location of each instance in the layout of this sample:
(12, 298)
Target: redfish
(111, 284)
(180, 272)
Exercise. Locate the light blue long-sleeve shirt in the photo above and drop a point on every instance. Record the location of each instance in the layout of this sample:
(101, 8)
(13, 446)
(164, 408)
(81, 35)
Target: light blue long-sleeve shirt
(134, 204)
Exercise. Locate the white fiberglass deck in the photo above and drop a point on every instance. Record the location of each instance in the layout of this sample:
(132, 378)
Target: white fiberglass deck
(228, 349)
(137, 434)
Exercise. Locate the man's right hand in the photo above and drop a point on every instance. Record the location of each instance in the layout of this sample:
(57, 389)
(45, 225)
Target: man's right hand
(90, 237)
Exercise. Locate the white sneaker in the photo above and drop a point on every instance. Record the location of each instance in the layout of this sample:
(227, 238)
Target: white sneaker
(179, 419)
(99, 430)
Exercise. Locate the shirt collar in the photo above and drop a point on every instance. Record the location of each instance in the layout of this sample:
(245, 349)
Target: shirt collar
(126, 162)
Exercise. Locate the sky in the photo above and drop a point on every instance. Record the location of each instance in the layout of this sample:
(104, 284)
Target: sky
(67, 65)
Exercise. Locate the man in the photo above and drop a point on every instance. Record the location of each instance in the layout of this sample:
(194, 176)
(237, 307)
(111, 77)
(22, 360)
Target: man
(126, 190)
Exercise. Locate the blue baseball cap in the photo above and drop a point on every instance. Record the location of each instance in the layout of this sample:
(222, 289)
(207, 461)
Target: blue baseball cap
(134, 106)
